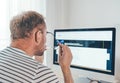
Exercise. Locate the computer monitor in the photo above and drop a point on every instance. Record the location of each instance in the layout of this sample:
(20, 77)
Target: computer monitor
(92, 48)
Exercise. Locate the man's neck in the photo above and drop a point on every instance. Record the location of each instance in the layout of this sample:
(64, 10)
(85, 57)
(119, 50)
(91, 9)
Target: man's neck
(24, 45)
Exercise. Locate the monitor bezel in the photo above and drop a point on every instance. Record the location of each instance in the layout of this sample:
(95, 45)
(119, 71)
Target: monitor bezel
(91, 29)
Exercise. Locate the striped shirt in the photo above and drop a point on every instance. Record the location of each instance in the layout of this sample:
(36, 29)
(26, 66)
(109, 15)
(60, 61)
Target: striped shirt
(17, 67)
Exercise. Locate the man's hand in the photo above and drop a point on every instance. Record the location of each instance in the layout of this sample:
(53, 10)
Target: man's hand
(65, 58)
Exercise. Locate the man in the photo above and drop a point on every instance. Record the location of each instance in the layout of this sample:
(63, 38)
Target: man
(28, 38)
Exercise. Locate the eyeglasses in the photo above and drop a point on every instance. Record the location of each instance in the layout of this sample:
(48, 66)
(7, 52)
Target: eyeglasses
(47, 32)
(50, 33)
(50, 47)
(57, 40)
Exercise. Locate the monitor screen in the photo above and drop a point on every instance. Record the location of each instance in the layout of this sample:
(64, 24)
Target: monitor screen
(92, 48)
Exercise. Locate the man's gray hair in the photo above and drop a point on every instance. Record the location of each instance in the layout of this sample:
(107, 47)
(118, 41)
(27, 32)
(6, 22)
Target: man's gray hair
(22, 24)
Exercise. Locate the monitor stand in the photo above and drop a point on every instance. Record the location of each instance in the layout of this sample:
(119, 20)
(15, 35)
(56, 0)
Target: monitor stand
(90, 80)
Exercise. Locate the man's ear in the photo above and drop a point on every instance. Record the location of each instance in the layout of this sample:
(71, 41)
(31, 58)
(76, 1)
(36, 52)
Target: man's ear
(38, 37)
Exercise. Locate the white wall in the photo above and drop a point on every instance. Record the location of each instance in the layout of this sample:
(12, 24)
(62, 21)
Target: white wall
(82, 14)
(56, 17)
(94, 13)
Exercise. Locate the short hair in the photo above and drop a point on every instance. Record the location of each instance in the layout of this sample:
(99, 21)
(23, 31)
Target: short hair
(22, 24)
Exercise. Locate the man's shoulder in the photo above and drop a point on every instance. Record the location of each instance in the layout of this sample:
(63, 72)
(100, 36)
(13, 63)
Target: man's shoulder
(45, 74)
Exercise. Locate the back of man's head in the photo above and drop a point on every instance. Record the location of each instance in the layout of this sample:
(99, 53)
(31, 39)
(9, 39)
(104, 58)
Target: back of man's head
(22, 25)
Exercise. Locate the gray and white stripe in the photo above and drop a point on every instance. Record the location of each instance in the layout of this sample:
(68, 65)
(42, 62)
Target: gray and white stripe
(17, 67)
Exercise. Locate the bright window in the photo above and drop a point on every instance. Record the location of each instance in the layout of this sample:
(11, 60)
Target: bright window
(10, 8)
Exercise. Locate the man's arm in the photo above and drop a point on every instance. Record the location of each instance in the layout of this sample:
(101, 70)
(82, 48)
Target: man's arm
(65, 58)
